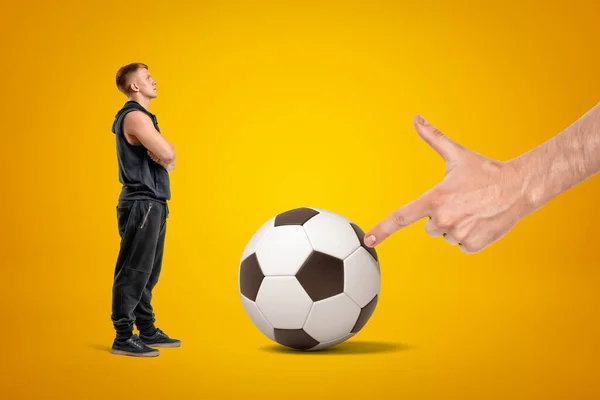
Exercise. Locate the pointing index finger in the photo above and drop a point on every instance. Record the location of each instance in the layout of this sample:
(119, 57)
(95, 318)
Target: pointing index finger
(400, 218)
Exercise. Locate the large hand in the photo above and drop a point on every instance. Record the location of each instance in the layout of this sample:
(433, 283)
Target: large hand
(478, 201)
(168, 166)
(153, 156)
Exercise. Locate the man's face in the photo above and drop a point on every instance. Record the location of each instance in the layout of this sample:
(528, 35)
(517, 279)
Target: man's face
(143, 82)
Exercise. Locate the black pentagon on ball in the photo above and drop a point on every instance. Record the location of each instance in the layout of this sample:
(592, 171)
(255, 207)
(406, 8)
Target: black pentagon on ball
(251, 276)
(297, 216)
(295, 338)
(365, 314)
(321, 276)
(361, 238)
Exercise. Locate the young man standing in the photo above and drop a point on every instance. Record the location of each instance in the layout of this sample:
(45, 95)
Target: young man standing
(145, 159)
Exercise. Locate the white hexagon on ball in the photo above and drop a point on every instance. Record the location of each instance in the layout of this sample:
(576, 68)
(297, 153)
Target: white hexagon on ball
(361, 277)
(283, 302)
(256, 238)
(257, 318)
(282, 250)
(331, 234)
(332, 318)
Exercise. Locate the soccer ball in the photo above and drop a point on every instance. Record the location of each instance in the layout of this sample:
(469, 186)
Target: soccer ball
(307, 281)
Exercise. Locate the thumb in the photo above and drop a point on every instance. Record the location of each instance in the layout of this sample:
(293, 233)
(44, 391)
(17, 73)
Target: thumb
(436, 139)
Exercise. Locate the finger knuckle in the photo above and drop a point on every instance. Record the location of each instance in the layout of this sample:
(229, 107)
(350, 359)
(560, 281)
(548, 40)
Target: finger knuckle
(469, 246)
(459, 236)
(398, 219)
(436, 133)
(475, 245)
(438, 200)
(443, 222)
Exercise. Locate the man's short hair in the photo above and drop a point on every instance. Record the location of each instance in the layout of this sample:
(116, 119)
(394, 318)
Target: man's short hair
(124, 73)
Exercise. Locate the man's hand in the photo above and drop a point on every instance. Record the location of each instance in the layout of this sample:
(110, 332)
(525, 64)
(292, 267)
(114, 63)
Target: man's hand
(478, 201)
(168, 166)
(153, 156)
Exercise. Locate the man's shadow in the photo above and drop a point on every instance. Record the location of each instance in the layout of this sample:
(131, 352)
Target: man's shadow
(346, 348)
(103, 348)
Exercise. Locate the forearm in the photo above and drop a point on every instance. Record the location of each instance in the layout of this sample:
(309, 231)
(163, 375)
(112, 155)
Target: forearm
(562, 162)
(170, 166)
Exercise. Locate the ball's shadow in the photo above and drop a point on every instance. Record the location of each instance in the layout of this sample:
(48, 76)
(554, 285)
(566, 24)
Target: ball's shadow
(346, 348)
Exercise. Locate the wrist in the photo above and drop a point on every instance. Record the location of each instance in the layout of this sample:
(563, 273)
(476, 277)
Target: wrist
(559, 164)
(543, 173)
(521, 186)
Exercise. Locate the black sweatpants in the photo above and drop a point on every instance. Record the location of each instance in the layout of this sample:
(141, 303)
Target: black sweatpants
(142, 227)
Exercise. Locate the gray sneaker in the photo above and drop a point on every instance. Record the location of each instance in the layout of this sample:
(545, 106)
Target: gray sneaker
(160, 339)
(133, 347)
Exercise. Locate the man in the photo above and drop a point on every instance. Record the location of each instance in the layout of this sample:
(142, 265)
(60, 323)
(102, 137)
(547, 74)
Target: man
(145, 159)
(480, 200)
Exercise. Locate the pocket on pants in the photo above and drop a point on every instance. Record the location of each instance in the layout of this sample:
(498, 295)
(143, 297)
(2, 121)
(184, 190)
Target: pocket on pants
(124, 215)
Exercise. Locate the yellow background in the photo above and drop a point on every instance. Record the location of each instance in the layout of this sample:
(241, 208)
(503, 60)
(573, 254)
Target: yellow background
(277, 105)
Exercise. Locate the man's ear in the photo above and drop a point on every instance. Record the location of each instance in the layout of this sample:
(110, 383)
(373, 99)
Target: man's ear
(134, 87)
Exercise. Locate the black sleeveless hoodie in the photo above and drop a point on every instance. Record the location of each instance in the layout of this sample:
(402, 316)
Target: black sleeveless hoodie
(141, 177)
